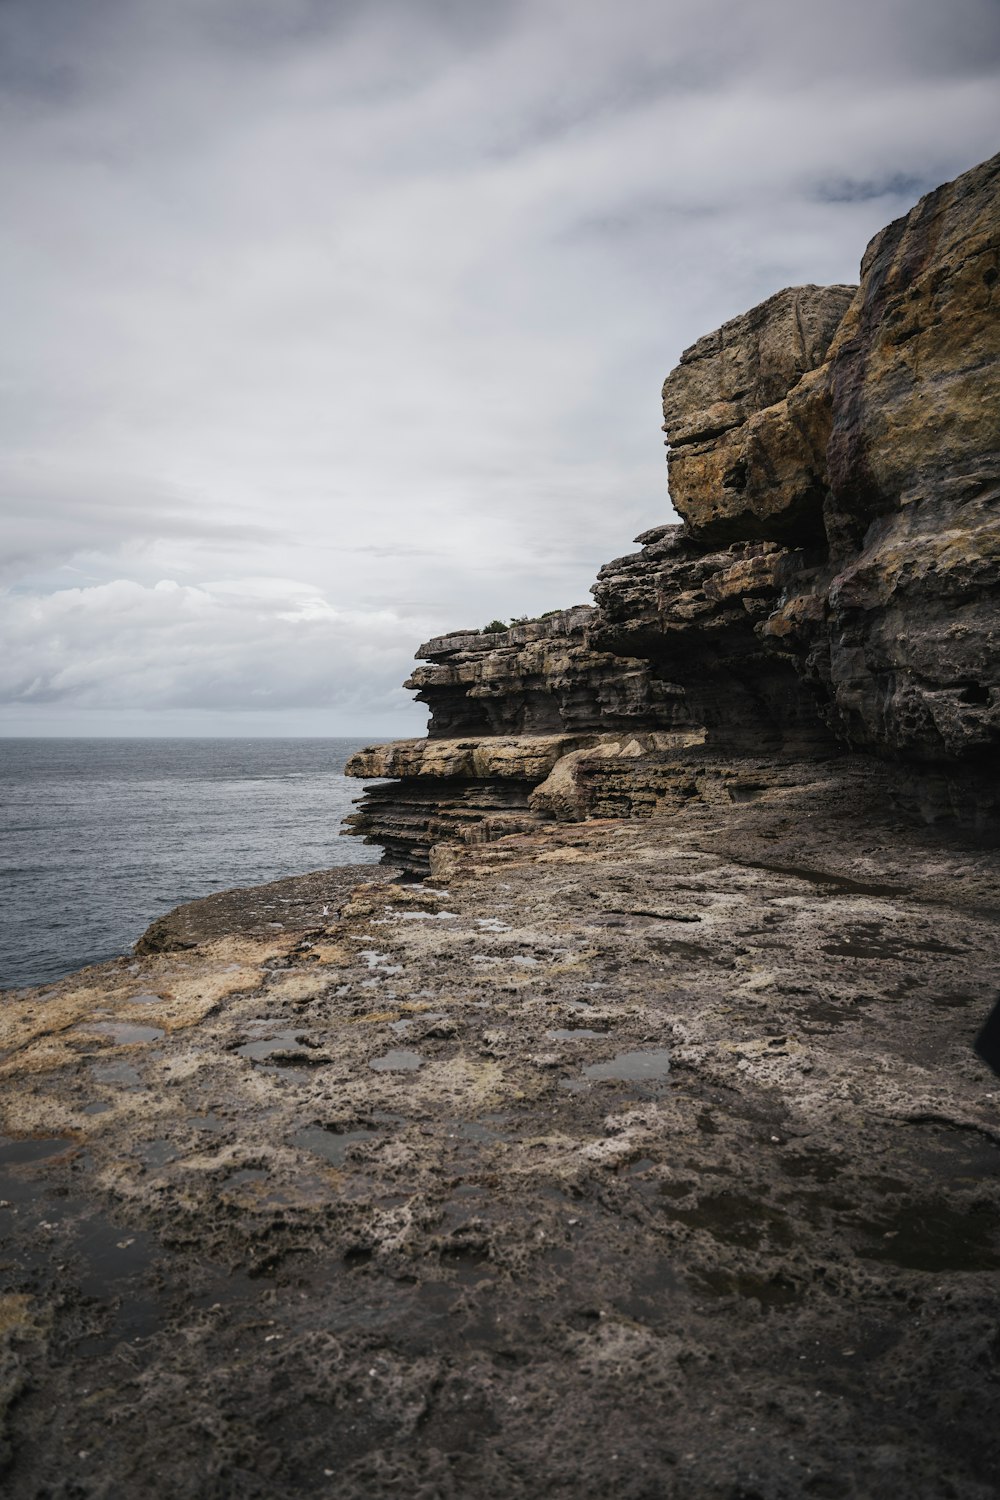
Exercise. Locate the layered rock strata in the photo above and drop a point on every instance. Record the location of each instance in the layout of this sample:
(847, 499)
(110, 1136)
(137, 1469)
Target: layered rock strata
(747, 452)
(539, 677)
(625, 1159)
(506, 709)
(859, 587)
(479, 790)
(901, 629)
(835, 459)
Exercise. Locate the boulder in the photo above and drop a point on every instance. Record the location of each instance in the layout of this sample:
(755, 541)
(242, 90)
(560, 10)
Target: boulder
(747, 421)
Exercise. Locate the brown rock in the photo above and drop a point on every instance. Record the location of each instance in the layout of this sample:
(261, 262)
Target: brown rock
(747, 458)
(908, 653)
(539, 677)
(694, 614)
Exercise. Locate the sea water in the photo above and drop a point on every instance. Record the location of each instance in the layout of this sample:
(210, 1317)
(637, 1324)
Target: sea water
(99, 836)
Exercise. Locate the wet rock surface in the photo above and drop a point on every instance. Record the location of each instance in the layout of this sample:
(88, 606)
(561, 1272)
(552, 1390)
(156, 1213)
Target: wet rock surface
(295, 904)
(637, 1159)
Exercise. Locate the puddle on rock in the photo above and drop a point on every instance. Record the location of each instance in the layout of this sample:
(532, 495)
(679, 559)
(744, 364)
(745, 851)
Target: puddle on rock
(427, 916)
(126, 1032)
(570, 1033)
(735, 1219)
(936, 1236)
(331, 1145)
(398, 1060)
(242, 1177)
(157, 1153)
(650, 1066)
(835, 884)
(207, 1121)
(379, 963)
(15, 1153)
(283, 1051)
(770, 1291)
(405, 1022)
(485, 1129)
(120, 1073)
(146, 999)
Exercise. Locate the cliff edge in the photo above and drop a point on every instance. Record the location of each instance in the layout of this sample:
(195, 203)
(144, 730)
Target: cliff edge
(832, 588)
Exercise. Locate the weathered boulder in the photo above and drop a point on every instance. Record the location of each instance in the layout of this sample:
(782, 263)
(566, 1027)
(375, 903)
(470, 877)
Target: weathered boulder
(747, 432)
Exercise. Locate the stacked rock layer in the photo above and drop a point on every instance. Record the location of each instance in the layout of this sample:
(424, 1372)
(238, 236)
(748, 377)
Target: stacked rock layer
(835, 459)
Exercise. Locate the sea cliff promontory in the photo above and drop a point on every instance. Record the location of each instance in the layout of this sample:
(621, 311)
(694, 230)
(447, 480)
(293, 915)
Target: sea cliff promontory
(835, 457)
(622, 1136)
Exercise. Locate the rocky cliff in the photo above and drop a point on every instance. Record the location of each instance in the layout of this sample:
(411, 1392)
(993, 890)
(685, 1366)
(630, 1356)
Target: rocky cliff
(834, 455)
(507, 708)
(622, 1159)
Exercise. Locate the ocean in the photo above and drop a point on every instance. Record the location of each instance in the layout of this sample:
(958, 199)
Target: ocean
(99, 836)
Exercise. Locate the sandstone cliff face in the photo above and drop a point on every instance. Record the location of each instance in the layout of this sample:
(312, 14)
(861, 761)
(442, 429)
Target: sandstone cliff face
(835, 457)
(746, 460)
(907, 652)
(506, 708)
(696, 613)
(541, 677)
(869, 492)
(475, 791)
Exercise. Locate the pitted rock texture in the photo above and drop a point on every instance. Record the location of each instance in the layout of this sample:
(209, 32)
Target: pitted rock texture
(541, 677)
(637, 1161)
(294, 904)
(745, 462)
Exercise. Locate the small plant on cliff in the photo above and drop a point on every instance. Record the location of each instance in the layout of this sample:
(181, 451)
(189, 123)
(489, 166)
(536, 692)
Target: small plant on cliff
(494, 626)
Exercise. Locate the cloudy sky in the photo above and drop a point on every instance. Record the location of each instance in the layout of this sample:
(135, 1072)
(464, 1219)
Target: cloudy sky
(331, 324)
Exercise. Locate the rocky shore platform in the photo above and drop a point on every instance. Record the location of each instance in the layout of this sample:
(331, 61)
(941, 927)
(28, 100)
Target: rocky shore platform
(623, 1136)
(638, 1159)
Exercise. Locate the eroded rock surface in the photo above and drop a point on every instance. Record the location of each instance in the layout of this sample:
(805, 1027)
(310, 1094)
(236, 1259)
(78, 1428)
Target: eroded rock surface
(505, 707)
(835, 455)
(632, 1160)
(697, 614)
(477, 790)
(540, 677)
(640, 1149)
(747, 462)
(908, 650)
(860, 509)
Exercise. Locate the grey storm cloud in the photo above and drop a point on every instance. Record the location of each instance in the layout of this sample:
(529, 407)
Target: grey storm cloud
(328, 326)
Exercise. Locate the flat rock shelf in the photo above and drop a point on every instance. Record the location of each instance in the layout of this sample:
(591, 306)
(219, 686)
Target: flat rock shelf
(695, 1190)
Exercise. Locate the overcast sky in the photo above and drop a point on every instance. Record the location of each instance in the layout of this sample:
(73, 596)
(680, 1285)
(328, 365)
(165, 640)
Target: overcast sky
(332, 324)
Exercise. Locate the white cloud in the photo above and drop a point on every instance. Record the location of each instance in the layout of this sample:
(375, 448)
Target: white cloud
(263, 644)
(374, 301)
